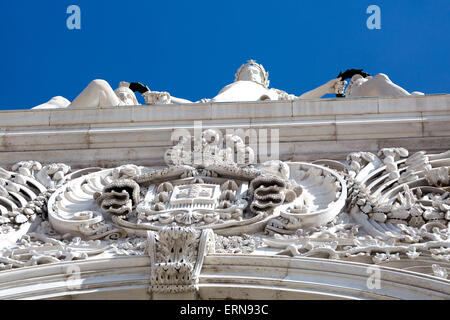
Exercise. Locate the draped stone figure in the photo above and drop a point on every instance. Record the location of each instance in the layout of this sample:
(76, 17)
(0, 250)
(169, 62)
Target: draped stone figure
(251, 84)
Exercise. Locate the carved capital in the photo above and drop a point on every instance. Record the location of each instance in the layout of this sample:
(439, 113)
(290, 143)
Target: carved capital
(176, 255)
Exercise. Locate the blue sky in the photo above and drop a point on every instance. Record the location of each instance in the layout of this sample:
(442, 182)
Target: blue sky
(193, 48)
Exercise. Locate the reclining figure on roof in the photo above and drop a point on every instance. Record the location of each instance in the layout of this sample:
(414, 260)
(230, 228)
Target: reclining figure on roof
(378, 86)
(97, 94)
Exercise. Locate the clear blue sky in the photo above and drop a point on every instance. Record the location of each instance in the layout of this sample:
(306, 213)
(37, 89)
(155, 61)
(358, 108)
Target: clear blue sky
(193, 48)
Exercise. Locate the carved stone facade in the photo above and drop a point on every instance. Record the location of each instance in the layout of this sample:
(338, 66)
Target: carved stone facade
(189, 224)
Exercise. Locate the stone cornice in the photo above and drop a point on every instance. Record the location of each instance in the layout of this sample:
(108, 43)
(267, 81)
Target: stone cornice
(114, 136)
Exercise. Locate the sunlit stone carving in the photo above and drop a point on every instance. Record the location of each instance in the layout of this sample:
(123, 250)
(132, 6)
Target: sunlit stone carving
(97, 94)
(251, 84)
(378, 86)
(176, 255)
(138, 227)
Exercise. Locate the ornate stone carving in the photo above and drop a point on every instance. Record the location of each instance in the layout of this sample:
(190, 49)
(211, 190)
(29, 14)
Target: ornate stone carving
(24, 192)
(317, 195)
(221, 195)
(119, 197)
(389, 220)
(38, 248)
(176, 255)
(410, 200)
(245, 244)
(385, 208)
(207, 152)
(202, 202)
(269, 192)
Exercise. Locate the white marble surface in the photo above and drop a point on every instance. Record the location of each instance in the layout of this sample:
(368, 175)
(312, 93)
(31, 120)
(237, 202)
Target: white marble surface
(224, 276)
(93, 136)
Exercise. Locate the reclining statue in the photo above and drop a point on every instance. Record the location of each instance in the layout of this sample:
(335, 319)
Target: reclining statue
(97, 94)
(378, 86)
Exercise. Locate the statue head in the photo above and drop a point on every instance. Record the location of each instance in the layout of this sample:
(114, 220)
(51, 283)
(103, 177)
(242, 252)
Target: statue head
(126, 95)
(252, 71)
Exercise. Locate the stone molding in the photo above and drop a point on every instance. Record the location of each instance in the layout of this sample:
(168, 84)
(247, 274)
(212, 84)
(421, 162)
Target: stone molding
(223, 276)
(141, 134)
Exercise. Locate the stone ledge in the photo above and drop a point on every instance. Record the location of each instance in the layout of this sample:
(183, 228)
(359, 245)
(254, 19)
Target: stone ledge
(141, 134)
(224, 110)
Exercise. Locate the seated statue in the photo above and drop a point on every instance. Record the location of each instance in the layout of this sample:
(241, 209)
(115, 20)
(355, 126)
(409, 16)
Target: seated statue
(251, 84)
(97, 94)
(378, 86)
